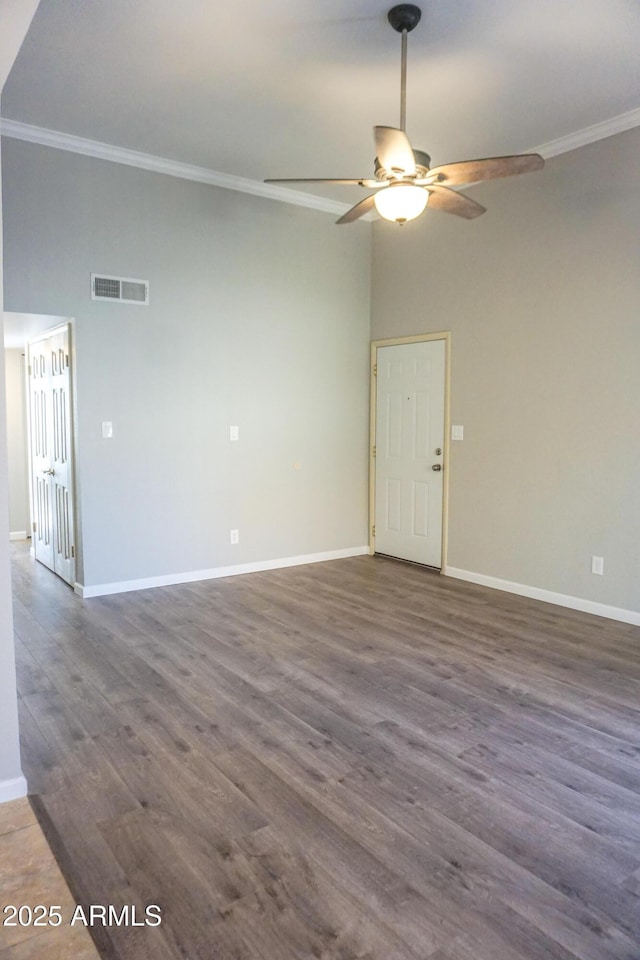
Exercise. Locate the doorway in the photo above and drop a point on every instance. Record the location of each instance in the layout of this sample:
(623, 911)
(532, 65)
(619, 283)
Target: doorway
(51, 451)
(409, 454)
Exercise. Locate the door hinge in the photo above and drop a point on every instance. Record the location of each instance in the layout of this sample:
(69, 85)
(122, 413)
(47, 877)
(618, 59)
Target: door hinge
(30, 373)
(33, 525)
(66, 359)
(374, 451)
(375, 369)
(73, 552)
(373, 530)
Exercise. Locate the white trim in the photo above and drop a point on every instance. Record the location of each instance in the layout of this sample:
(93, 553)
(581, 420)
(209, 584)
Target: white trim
(18, 535)
(598, 131)
(13, 789)
(173, 168)
(547, 596)
(167, 580)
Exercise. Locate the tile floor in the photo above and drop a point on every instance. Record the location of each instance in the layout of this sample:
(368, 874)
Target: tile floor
(29, 875)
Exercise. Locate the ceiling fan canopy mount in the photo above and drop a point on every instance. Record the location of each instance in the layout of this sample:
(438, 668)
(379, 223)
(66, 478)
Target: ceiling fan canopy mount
(398, 164)
(404, 16)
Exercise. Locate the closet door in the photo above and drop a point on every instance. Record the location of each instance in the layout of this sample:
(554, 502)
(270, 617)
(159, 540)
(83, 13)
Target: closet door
(51, 452)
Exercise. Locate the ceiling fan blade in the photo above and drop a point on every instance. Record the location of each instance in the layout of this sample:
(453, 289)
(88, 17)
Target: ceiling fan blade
(472, 171)
(450, 201)
(353, 182)
(359, 210)
(394, 152)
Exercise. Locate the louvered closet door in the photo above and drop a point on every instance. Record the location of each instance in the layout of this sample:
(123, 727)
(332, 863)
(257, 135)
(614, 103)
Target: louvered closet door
(41, 453)
(51, 453)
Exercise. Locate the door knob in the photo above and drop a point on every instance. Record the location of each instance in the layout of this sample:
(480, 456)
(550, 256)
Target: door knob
(49, 473)
(437, 466)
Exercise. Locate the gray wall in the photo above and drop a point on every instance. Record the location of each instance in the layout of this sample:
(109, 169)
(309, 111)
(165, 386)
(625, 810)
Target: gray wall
(542, 295)
(17, 442)
(259, 317)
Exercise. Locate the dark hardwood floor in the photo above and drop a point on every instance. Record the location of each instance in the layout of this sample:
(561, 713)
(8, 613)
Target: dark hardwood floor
(357, 759)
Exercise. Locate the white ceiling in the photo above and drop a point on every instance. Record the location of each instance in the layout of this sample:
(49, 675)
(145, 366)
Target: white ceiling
(270, 88)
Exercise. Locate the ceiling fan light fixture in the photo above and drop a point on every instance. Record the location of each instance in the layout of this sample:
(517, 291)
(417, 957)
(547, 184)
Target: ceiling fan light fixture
(403, 177)
(400, 202)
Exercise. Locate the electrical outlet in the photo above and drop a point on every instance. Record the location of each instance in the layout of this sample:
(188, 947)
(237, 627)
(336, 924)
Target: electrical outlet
(597, 565)
(234, 536)
(234, 433)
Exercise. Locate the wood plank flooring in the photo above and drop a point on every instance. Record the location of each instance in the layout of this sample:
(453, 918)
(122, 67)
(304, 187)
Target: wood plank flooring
(356, 760)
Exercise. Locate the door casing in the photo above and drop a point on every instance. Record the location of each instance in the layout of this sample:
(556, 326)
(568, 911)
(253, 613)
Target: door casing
(418, 338)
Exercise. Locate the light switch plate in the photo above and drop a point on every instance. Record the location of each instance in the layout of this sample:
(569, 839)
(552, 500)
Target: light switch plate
(234, 433)
(457, 432)
(107, 429)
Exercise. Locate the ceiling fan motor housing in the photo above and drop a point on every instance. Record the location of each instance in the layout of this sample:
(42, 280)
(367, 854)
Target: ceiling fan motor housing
(422, 159)
(405, 16)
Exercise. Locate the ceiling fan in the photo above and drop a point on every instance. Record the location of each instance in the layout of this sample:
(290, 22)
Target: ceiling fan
(403, 180)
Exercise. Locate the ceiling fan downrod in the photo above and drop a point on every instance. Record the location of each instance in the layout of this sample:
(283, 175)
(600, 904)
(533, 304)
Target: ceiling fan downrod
(403, 179)
(403, 18)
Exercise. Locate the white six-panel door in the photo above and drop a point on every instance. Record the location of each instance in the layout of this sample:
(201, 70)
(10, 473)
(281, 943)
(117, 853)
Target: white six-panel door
(51, 452)
(409, 451)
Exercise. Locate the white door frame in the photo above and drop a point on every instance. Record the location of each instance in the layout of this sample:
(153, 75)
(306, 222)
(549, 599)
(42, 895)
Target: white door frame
(44, 335)
(392, 342)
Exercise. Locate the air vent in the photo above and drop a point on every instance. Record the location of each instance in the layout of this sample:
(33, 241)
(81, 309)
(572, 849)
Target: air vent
(119, 289)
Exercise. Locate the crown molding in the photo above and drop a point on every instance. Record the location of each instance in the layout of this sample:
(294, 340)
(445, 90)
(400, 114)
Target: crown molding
(185, 171)
(598, 131)
(172, 168)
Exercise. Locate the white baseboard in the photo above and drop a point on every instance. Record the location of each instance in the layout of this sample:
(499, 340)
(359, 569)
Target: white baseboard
(18, 535)
(12, 789)
(125, 586)
(547, 596)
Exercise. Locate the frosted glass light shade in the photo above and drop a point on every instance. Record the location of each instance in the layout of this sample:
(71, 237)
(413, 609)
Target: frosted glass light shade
(401, 202)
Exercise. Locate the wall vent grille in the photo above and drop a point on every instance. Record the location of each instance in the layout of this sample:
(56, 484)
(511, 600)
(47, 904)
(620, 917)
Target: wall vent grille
(119, 289)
